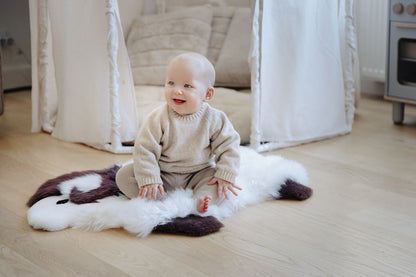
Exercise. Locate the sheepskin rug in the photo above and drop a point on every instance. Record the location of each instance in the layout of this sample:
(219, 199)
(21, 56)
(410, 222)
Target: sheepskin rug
(90, 200)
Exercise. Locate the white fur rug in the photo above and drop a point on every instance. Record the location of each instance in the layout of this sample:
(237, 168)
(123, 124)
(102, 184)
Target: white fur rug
(261, 178)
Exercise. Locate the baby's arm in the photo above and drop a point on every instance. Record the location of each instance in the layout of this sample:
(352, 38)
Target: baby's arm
(150, 191)
(224, 186)
(146, 153)
(225, 144)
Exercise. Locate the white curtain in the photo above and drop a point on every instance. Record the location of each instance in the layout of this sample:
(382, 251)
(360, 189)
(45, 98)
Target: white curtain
(83, 90)
(302, 71)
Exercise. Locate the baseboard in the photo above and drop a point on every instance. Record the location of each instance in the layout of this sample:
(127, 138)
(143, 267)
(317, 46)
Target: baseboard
(372, 87)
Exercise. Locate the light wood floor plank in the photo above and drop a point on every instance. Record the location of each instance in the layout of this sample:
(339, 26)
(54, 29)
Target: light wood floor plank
(53, 252)
(13, 264)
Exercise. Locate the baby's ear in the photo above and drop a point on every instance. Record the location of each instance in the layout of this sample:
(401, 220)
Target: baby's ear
(209, 94)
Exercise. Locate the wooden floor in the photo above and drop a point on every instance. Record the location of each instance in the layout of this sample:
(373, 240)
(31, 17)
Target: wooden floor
(361, 220)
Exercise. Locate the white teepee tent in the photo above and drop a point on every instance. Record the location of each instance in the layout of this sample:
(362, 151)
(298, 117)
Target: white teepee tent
(301, 61)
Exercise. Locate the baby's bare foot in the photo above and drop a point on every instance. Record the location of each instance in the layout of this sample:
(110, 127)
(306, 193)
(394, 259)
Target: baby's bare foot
(202, 204)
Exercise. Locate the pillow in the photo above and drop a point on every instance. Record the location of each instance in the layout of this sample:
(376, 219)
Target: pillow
(221, 19)
(229, 44)
(155, 39)
(232, 67)
(166, 5)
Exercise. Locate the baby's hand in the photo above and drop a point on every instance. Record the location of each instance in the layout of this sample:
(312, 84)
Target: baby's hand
(224, 186)
(150, 191)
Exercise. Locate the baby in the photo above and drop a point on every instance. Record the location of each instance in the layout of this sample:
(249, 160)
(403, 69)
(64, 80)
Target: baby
(185, 143)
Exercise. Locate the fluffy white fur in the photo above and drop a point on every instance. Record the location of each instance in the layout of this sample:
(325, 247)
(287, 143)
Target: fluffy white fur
(260, 177)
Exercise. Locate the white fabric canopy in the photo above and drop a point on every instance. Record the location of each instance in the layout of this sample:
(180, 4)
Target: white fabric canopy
(84, 90)
(302, 71)
(301, 62)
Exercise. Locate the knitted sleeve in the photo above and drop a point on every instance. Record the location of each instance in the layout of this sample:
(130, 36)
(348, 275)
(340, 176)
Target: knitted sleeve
(225, 143)
(147, 151)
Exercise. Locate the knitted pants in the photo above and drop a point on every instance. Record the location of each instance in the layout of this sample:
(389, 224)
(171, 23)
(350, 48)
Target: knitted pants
(196, 181)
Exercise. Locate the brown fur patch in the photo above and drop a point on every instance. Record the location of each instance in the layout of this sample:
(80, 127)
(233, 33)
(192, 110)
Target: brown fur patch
(294, 191)
(192, 225)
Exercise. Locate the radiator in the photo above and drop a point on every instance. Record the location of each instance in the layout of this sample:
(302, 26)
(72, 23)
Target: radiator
(372, 21)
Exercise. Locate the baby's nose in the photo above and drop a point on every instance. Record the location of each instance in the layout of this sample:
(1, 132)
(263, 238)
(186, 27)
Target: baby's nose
(178, 91)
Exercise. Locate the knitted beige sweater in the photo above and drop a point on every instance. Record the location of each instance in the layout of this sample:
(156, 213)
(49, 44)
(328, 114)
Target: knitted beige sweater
(174, 143)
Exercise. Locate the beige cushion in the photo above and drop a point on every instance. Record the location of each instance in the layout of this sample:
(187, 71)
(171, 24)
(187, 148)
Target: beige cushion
(229, 44)
(232, 67)
(166, 5)
(221, 19)
(155, 39)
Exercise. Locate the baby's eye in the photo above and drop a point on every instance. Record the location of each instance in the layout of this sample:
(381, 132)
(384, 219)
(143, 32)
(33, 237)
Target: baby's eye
(187, 86)
(171, 83)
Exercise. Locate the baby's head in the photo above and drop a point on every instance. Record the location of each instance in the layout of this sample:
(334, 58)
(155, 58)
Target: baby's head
(189, 82)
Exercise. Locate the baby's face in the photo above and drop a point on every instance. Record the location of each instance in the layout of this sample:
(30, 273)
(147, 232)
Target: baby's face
(186, 87)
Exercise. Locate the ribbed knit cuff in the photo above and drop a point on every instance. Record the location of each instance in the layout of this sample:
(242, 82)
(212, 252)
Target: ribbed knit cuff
(149, 180)
(226, 175)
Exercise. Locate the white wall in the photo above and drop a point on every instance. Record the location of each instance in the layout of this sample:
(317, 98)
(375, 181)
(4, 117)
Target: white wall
(372, 22)
(16, 60)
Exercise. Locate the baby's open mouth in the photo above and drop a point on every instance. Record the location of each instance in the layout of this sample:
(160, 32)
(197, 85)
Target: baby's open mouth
(179, 101)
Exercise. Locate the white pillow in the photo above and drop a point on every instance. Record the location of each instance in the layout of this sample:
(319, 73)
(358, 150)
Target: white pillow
(155, 39)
